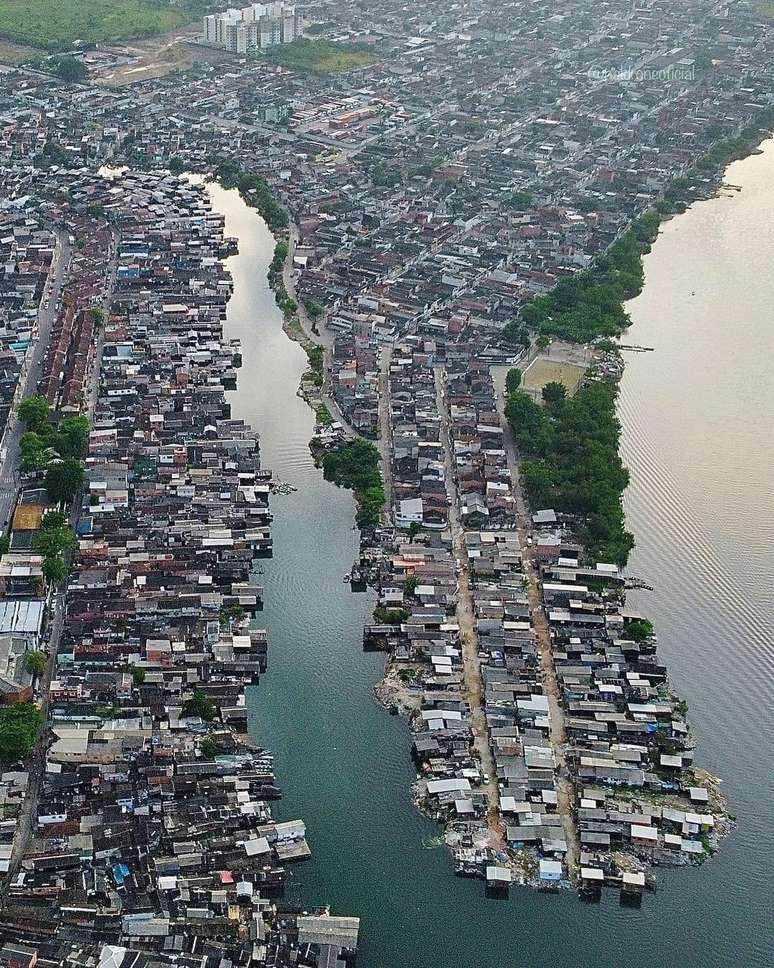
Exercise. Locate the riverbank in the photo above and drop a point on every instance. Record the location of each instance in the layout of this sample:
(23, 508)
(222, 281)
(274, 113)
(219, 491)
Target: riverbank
(320, 673)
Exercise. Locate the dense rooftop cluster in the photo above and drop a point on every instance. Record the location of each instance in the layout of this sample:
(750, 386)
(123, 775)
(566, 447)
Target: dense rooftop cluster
(479, 159)
(153, 835)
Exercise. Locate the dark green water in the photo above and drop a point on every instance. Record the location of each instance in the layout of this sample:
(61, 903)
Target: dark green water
(344, 764)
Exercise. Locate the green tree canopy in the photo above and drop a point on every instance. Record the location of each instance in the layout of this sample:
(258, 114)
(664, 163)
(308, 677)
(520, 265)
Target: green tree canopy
(64, 479)
(355, 464)
(200, 705)
(19, 727)
(639, 629)
(70, 69)
(554, 393)
(35, 663)
(34, 412)
(73, 436)
(574, 465)
(513, 379)
(54, 569)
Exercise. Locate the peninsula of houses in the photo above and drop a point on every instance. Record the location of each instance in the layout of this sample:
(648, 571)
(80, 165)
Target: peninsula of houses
(470, 194)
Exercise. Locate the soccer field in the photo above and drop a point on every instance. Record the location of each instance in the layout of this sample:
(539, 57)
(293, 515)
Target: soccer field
(543, 371)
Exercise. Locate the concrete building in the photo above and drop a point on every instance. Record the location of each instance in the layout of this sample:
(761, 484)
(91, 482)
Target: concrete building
(251, 28)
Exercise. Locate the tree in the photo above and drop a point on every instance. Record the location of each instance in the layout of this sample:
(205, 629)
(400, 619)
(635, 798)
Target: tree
(324, 416)
(34, 452)
(53, 541)
(53, 519)
(70, 69)
(35, 662)
(97, 313)
(542, 342)
(554, 393)
(519, 200)
(34, 412)
(177, 165)
(19, 727)
(639, 629)
(513, 379)
(199, 705)
(64, 480)
(54, 569)
(527, 421)
(414, 528)
(209, 747)
(313, 308)
(410, 583)
(5, 544)
(72, 436)
(390, 616)
(232, 613)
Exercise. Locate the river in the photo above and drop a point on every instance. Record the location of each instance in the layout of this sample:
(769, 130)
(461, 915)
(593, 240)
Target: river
(344, 764)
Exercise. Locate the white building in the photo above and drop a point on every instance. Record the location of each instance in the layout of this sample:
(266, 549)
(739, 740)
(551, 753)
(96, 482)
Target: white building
(251, 28)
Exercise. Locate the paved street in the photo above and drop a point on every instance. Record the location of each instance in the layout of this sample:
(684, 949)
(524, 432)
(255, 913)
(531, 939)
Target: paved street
(9, 446)
(8, 491)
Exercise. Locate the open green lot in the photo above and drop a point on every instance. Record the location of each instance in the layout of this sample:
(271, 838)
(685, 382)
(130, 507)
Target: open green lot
(318, 56)
(54, 24)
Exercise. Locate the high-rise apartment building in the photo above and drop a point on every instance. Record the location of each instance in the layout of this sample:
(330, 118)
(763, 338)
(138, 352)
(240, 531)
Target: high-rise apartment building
(252, 28)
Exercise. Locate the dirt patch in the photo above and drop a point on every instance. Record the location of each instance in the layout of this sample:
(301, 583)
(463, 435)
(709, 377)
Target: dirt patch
(542, 371)
(13, 54)
(155, 58)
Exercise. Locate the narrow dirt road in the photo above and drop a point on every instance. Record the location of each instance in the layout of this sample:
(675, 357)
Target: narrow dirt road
(565, 791)
(473, 683)
(384, 442)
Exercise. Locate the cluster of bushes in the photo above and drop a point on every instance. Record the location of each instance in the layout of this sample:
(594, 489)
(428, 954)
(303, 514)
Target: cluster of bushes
(390, 616)
(231, 613)
(324, 416)
(255, 191)
(19, 727)
(285, 303)
(573, 463)
(313, 308)
(355, 464)
(639, 629)
(316, 355)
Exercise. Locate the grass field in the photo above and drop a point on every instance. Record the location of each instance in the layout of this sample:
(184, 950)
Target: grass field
(54, 24)
(318, 56)
(543, 371)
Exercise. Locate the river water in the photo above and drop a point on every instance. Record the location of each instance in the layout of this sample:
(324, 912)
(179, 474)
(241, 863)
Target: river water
(344, 764)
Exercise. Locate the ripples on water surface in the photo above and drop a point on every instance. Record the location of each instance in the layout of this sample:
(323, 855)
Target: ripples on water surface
(697, 418)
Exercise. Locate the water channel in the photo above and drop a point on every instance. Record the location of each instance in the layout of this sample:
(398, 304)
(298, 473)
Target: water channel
(344, 764)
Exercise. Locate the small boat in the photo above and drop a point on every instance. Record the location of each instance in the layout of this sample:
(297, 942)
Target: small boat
(347, 579)
(283, 487)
